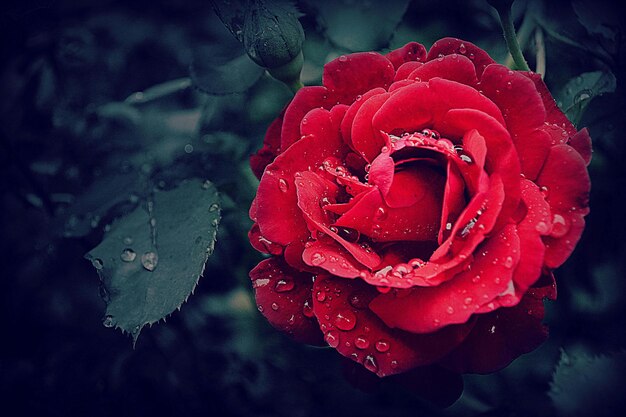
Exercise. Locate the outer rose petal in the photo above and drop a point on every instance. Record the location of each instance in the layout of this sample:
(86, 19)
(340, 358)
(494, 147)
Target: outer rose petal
(554, 115)
(354, 74)
(581, 141)
(360, 335)
(503, 335)
(449, 46)
(346, 123)
(410, 52)
(451, 67)
(281, 293)
(306, 99)
(366, 140)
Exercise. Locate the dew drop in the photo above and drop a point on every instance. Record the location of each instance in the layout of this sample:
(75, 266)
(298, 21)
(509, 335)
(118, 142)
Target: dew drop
(382, 346)
(559, 226)
(97, 263)
(468, 300)
(542, 228)
(318, 258)
(260, 308)
(508, 262)
(274, 306)
(343, 58)
(381, 214)
(394, 364)
(370, 363)
(345, 320)
(462, 49)
(332, 338)
(361, 342)
(283, 185)
(320, 296)
(108, 321)
(349, 234)
(128, 240)
(449, 310)
(149, 260)
(214, 207)
(357, 302)
(307, 310)
(284, 285)
(128, 255)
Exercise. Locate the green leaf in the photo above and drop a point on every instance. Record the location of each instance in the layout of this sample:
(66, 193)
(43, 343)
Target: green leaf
(580, 90)
(360, 26)
(216, 74)
(151, 260)
(585, 385)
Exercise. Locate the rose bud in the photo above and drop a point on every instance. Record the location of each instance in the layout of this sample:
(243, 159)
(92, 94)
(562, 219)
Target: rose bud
(413, 208)
(273, 38)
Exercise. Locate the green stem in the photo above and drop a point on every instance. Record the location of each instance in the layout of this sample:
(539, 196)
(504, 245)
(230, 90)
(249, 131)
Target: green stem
(506, 20)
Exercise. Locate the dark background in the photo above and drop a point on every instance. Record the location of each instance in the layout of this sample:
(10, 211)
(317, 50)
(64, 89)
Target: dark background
(73, 158)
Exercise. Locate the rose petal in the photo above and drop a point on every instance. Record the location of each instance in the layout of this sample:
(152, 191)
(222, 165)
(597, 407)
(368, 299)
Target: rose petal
(449, 46)
(330, 256)
(453, 201)
(382, 172)
(278, 215)
(554, 115)
(406, 69)
(559, 249)
(348, 120)
(410, 52)
(450, 67)
(366, 140)
(426, 309)
(566, 179)
(354, 74)
(503, 335)
(262, 244)
(340, 306)
(281, 293)
(581, 141)
(420, 105)
(306, 99)
(311, 190)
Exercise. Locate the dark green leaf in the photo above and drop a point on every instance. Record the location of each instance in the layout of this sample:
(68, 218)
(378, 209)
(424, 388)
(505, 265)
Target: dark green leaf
(214, 74)
(151, 260)
(579, 91)
(360, 26)
(585, 385)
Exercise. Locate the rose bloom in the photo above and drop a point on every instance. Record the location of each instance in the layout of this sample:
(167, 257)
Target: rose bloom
(414, 207)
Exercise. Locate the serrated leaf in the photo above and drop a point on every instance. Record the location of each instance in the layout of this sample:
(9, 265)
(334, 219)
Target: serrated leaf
(360, 26)
(580, 90)
(214, 73)
(151, 260)
(585, 385)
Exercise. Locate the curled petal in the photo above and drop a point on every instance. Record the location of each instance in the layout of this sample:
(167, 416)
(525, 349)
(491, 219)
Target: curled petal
(449, 46)
(410, 52)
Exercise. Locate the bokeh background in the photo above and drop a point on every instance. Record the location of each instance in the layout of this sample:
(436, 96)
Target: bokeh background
(78, 148)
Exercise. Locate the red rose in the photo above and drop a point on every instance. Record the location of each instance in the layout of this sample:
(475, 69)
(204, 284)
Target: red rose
(415, 206)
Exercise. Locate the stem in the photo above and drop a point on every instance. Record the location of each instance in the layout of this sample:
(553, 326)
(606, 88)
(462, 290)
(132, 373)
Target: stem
(541, 53)
(506, 20)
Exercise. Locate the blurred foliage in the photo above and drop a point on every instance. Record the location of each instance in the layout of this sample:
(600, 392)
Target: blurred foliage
(98, 112)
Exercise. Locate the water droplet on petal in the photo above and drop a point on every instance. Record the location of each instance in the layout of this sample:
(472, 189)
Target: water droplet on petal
(343, 58)
(361, 342)
(508, 262)
(542, 228)
(128, 255)
(382, 346)
(274, 306)
(149, 260)
(283, 185)
(370, 363)
(462, 49)
(468, 300)
(332, 338)
(449, 310)
(260, 308)
(307, 310)
(284, 285)
(381, 214)
(560, 226)
(318, 258)
(320, 296)
(349, 234)
(345, 320)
